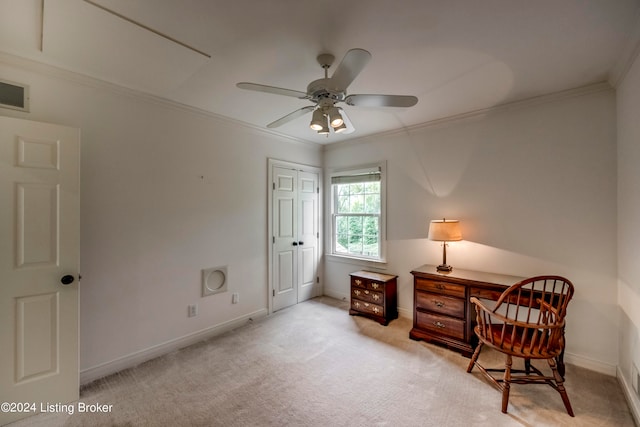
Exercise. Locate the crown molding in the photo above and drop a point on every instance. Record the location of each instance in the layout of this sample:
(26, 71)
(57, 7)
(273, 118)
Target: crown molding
(629, 54)
(523, 103)
(82, 79)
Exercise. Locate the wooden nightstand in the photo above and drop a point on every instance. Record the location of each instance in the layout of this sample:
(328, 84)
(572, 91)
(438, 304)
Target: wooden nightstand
(374, 295)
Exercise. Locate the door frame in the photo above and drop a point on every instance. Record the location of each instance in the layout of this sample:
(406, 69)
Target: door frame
(271, 163)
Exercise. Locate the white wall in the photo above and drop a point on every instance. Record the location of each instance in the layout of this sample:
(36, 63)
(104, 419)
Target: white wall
(534, 187)
(165, 193)
(628, 110)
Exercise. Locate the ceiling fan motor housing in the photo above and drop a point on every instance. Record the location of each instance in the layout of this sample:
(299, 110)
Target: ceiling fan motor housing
(320, 90)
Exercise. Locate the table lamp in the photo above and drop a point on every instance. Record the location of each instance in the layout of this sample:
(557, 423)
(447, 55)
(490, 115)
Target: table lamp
(445, 231)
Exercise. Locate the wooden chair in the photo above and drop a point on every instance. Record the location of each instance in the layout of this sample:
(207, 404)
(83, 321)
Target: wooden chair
(528, 322)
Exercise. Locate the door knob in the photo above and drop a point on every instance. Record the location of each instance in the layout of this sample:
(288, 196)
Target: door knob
(67, 280)
(301, 243)
(295, 243)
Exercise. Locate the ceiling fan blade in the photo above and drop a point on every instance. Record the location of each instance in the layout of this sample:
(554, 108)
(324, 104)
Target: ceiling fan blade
(351, 65)
(272, 89)
(301, 112)
(381, 100)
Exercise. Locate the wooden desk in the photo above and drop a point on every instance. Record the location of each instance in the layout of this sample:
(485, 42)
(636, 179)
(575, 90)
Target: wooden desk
(442, 312)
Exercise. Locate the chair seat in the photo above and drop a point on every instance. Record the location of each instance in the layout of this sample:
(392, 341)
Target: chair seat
(519, 342)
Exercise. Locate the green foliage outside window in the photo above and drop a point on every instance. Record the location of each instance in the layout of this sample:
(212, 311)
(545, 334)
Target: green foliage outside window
(357, 219)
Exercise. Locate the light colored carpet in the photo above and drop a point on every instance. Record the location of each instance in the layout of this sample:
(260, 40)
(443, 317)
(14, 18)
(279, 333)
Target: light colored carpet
(314, 365)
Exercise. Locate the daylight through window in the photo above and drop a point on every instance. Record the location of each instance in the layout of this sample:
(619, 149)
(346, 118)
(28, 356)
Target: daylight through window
(357, 214)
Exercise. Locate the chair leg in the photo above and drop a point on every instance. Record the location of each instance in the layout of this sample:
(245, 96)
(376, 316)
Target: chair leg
(560, 386)
(527, 366)
(474, 358)
(506, 386)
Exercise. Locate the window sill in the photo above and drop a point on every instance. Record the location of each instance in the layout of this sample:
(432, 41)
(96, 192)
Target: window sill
(375, 263)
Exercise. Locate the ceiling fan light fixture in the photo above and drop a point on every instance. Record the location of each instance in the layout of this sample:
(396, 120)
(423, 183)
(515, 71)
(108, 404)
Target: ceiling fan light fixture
(318, 120)
(335, 118)
(341, 128)
(325, 129)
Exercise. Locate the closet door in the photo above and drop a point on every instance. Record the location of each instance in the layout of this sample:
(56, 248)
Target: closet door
(295, 240)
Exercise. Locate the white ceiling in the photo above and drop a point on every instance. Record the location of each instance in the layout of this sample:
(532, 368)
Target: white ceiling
(456, 56)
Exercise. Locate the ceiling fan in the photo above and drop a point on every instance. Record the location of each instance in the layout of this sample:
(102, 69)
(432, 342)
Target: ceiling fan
(327, 92)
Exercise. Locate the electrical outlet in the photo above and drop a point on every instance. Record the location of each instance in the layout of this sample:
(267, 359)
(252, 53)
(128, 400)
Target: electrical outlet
(235, 298)
(192, 310)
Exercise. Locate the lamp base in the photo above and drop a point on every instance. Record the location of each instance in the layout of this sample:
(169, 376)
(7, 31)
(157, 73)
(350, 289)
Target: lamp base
(443, 267)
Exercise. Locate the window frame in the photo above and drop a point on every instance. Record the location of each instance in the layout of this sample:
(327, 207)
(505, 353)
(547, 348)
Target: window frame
(333, 214)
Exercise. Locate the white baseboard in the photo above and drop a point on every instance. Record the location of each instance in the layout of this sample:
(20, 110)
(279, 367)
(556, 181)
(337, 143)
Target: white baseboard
(591, 364)
(96, 372)
(405, 312)
(336, 295)
(630, 395)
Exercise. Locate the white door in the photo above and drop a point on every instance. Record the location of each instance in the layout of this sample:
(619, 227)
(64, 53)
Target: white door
(39, 250)
(285, 238)
(295, 239)
(308, 234)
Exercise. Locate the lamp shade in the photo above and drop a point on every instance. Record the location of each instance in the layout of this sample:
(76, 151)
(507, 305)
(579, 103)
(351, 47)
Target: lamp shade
(445, 230)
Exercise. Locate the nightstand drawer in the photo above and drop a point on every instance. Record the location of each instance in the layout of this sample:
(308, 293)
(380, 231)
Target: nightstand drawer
(452, 289)
(367, 284)
(367, 307)
(442, 325)
(440, 303)
(367, 295)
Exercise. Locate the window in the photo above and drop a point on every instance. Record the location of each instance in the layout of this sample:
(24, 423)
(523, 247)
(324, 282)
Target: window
(357, 213)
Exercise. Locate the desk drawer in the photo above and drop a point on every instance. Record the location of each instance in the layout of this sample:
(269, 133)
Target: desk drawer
(440, 303)
(442, 325)
(452, 289)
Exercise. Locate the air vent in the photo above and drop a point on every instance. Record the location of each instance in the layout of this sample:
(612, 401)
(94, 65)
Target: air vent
(14, 95)
(214, 280)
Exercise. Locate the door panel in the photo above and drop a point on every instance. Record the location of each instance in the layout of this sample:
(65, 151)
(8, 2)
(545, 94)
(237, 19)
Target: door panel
(308, 234)
(37, 224)
(285, 272)
(284, 235)
(37, 329)
(39, 243)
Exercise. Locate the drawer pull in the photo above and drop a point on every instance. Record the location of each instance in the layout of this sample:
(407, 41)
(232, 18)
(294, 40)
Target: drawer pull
(440, 286)
(366, 292)
(376, 310)
(358, 282)
(357, 292)
(375, 285)
(376, 297)
(439, 303)
(439, 324)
